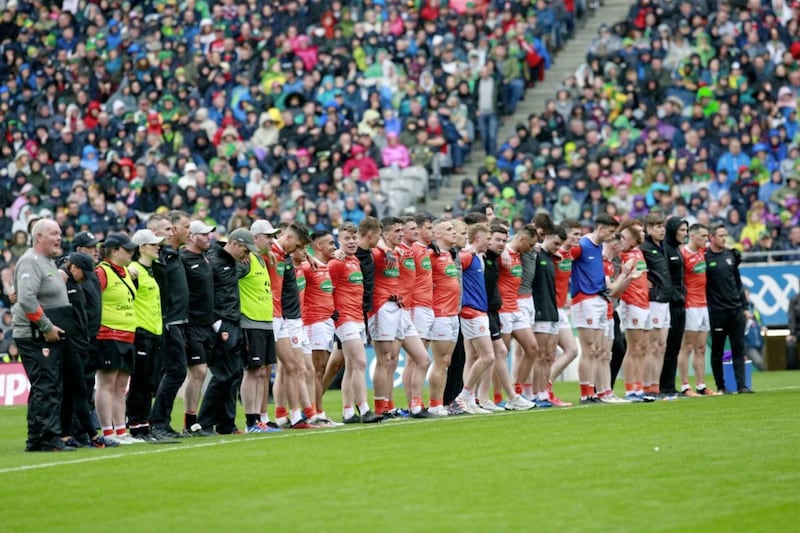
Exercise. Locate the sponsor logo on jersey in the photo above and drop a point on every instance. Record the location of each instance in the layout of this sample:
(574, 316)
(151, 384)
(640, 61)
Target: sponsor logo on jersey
(301, 283)
(516, 271)
(391, 273)
(426, 263)
(641, 265)
(280, 267)
(565, 265)
(451, 270)
(409, 264)
(326, 286)
(356, 277)
(712, 264)
(699, 268)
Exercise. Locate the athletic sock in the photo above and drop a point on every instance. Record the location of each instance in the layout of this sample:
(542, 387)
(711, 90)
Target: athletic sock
(587, 390)
(280, 411)
(189, 419)
(108, 431)
(120, 431)
(251, 419)
(390, 405)
(518, 388)
(436, 403)
(380, 406)
(498, 398)
(701, 386)
(309, 412)
(685, 387)
(363, 408)
(264, 417)
(416, 405)
(296, 416)
(527, 390)
(349, 412)
(543, 396)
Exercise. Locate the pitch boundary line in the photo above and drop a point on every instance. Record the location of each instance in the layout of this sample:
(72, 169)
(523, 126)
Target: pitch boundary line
(286, 434)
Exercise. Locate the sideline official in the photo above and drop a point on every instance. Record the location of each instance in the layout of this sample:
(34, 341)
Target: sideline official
(42, 301)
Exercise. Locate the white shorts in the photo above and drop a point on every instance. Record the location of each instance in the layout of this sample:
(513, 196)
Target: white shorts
(422, 317)
(320, 335)
(291, 329)
(633, 317)
(697, 319)
(350, 331)
(513, 321)
(445, 328)
(659, 315)
(406, 328)
(609, 333)
(385, 323)
(547, 328)
(527, 307)
(590, 313)
(473, 328)
(563, 320)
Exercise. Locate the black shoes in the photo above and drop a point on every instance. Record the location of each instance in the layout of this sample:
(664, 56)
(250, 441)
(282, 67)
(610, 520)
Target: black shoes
(355, 419)
(370, 418)
(423, 413)
(745, 390)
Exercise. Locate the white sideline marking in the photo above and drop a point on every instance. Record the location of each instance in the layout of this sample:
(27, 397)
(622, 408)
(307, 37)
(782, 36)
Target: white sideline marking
(286, 434)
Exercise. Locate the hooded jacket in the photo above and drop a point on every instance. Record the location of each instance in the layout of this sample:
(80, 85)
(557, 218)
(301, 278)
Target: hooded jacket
(675, 261)
(658, 272)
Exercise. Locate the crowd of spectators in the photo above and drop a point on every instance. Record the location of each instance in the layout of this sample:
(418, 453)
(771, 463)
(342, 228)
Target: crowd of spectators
(112, 110)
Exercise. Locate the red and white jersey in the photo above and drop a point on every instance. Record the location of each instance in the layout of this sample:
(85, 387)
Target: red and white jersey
(276, 279)
(563, 262)
(610, 272)
(509, 282)
(348, 289)
(446, 287)
(386, 280)
(638, 292)
(407, 283)
(423, 293)
(694, 274)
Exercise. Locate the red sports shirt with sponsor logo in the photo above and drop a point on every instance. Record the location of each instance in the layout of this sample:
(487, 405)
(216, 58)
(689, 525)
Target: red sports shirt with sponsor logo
(446, 287)
(407, 282)
(423, 293)
(638, 292)
(318, 298)
(563, 262)
(348, 289)
(508, 283)
(386, 280)
(276, 278)
(694, 274)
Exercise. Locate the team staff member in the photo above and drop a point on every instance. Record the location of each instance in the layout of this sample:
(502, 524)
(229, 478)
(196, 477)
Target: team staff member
(115, 340)
(348, 287)
(197, 332)
(676, 231)
(174, 228)
(446, 308)
(728, 309)
(255, 292)
(38, 338)
(661, 293)
(218, 409)
(697, 322)
(86, 243)
(148, 342)
(318, 312)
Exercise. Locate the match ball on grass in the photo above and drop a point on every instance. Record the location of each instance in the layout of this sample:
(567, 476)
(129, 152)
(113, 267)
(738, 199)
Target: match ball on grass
(656, 449)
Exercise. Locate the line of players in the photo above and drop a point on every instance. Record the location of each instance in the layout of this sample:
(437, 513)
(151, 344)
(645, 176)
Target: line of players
(415, 283)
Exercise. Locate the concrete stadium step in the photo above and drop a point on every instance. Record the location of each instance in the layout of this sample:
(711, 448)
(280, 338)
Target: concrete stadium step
(565, 63)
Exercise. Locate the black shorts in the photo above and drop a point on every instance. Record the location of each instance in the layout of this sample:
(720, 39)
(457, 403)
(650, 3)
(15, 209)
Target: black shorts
(115, 355)
(199, 343)
(260, 348)
(494, 326)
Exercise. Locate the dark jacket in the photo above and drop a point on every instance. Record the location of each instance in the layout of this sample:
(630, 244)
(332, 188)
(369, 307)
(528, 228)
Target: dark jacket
(794, 315)
(79, 343)
(92, 297)
(177, 309)
(226, 284)
(657, 271)
(200, 280)
(675, 260)
(491, 271)
(724, 289)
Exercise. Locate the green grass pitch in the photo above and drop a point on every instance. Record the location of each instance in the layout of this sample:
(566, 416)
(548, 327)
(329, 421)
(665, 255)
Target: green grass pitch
(706, 464)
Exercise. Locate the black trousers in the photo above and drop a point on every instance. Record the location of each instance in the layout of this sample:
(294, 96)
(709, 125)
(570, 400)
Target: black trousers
(173, 374)
(617, 350)
(42, 362)
(455, 372)
(145, 377)
(727, 324)
(226, 365)
(678, 324)
(75, 399)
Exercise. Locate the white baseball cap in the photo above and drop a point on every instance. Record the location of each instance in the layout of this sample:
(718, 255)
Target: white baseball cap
(145, 236)
(197, 226)
(262, 226)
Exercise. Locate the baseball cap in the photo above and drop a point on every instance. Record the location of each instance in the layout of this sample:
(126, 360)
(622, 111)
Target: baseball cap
(119, 240)
(262, 226)
(85, 239)
(243, 236)
(146, 236)
(198, 226)
(82, 261)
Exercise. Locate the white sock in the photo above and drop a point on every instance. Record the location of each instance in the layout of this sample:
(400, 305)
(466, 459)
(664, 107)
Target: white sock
(296, 415)
(467, 395)
(349, 412)
(363, 408)
(416, 409)
(282, 421)
(264, 417)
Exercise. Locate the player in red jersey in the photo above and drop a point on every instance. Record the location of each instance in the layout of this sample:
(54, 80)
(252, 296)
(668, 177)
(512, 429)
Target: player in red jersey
(446, 307)
(422, 305)
(566, 339)
(513, 322)
(634, 310)
(697, 323)
(318, 312)
(290, 388)
(348, 291)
